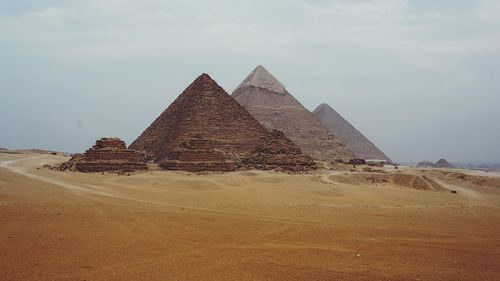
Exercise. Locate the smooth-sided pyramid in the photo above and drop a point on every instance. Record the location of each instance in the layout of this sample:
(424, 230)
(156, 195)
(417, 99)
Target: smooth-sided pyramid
(275, 108)
(205, 129)
(352, 138)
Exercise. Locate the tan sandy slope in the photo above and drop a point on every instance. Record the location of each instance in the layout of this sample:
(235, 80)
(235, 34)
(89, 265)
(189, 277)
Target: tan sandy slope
(243, 226)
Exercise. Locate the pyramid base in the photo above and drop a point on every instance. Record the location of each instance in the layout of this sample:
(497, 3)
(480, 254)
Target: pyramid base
(198, 166)
(97, 167)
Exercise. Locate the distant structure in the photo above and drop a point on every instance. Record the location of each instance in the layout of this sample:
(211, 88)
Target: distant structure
(275, 108)
(350, 136)
(205, 129)
(107, 155)
(441, 163)
(425, 164)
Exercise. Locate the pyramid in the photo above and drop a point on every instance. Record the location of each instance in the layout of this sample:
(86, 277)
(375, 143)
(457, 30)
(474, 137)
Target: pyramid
(107, 155)
(268, 101)
(352, 138)
(278, 151)
(443, 163)
(205, 129)
(262, 78)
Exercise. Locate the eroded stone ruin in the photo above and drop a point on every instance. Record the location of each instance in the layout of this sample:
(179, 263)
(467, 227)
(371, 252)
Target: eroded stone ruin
(107, 155)
(205, 129)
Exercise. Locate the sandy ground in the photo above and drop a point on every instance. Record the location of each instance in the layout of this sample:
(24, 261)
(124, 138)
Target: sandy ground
(243, 226)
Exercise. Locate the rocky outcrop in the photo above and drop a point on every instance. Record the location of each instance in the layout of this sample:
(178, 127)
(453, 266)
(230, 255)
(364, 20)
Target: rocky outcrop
(350, 136)
(107, 155)
(274, 107)
(204, 129)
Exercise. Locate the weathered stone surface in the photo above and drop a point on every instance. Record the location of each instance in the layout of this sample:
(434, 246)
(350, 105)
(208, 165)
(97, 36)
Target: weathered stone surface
(108, 154)
(357, 161)
(278, 151)
(350, 136)
(261, 78)
(275, 108)
(204, 129)
(107, 166)
(221, 166)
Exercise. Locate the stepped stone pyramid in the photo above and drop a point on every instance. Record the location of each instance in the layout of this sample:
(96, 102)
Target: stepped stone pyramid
(205, 129)
(107, 155)
(275, 108)
(352, 138)
(278, 151)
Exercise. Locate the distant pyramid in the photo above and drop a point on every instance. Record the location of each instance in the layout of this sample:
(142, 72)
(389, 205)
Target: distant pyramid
(443, 163)
(352, 138)
(275, 108)
(205, 129)
(261, 78)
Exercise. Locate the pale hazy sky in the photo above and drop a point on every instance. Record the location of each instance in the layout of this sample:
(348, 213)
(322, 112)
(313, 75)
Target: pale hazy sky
(421, 78)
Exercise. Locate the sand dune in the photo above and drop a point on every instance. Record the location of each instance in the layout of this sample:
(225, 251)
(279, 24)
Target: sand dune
(250, 225)
(396, 179)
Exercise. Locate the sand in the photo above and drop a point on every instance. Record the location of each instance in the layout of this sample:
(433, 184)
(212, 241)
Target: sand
(244, 226)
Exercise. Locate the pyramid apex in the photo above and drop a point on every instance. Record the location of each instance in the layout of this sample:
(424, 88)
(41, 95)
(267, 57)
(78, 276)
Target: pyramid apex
(204, 79)
(202, 85)
(322, 107)
(260, 77)
(204, 76)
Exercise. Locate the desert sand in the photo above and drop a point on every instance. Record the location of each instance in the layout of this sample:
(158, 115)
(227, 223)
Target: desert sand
(252, 225)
